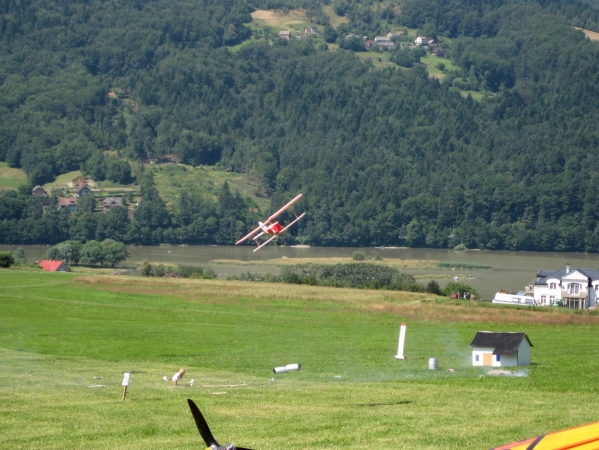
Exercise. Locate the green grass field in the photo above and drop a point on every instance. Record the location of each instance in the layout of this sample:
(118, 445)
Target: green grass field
(59, 331)
(171, 179)
(430, 62)
(11, 178)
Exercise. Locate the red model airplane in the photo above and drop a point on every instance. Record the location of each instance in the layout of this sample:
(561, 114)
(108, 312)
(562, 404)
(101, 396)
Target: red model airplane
(272, 228)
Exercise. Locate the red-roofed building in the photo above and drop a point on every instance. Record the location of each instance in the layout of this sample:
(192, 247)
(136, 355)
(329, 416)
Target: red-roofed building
(53, 266)
(68, 202)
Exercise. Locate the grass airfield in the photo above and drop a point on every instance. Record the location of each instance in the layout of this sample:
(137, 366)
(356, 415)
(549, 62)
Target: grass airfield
(59, 331)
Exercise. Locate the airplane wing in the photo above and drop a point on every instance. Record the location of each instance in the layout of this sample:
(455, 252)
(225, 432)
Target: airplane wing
(248, 236)
(265, 243)
(292, 223)
(281, 232)
(279, 212)
(584, 437)
(284, 208)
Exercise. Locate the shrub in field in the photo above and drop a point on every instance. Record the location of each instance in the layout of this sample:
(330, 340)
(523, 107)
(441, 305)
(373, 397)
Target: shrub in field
(355, 275)
(189, 271)
(433, 288)
(358, 255)
(460, 289)
(158, 270)
(19, 257)
(6, 259)
(248, 276)
(146, 269)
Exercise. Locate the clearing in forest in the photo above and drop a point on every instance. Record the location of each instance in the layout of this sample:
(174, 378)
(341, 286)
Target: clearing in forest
(296, 18)
(592, 35)
(11, 178)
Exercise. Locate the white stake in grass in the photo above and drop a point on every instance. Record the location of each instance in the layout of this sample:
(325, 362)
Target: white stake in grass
(125, 383)
(402, 341)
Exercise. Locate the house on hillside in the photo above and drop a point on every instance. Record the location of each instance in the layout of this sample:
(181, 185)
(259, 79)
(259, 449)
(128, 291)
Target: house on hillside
(111, 202)
(311, 31)
(500, 349)
(438, 51)
(370, 43)
(69, 203)
(83, 190)
(421, 40)
(392, 34)
(39, 191)
(53, 266)
(285, 34)
(78, 181)
(384, 43)
(572, 288)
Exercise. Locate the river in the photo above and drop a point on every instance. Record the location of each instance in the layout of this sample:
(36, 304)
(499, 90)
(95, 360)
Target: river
(509, 270)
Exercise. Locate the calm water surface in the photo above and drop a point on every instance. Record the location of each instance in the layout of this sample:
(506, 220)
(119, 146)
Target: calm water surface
(510, 270)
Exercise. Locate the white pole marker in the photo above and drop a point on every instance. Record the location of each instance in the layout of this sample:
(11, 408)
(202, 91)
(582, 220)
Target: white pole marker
(402, 341)
(125, 383)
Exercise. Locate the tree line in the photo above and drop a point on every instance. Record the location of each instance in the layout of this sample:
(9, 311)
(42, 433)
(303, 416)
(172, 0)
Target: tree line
(383, 156)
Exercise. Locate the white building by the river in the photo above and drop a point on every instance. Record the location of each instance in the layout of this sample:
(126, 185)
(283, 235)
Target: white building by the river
(572, 288)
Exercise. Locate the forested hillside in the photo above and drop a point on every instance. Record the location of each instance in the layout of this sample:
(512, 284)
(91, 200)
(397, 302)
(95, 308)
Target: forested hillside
(384, 156)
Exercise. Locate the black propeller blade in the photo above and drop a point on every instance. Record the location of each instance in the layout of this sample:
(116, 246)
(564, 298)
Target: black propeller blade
(205, 430)
(201, 424)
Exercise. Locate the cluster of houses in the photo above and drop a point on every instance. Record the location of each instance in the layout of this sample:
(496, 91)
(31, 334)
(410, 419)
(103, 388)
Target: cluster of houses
(432, 46)
(71, 203)
(308, 31)
(572, 288)
(380, 42)
(387, 43)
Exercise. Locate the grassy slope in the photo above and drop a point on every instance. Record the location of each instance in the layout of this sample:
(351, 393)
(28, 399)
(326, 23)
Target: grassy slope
(170, 179)
(430, 62)
(11, 178)
(64, 329)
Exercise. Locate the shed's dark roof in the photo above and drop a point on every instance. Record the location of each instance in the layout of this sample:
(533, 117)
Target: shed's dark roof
(504, 343)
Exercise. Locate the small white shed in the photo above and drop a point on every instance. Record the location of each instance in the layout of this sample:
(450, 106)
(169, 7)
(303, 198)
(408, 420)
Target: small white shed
(500, 349)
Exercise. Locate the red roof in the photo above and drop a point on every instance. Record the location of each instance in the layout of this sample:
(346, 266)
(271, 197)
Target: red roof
(51, 266)
(66, 201)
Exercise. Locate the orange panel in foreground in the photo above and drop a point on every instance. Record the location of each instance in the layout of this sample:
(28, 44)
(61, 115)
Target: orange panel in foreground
(584, 437)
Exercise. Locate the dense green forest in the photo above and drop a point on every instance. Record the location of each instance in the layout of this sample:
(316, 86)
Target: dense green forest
(384, 156)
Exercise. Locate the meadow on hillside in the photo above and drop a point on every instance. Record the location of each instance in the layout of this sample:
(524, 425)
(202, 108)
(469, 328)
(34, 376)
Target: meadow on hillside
(62, 333)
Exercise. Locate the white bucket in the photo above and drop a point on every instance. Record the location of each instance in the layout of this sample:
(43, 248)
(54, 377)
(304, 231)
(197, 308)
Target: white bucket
(432, 363)
(287, 368)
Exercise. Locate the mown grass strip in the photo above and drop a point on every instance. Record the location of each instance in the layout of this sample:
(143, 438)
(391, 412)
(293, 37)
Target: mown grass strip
(56, 337)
